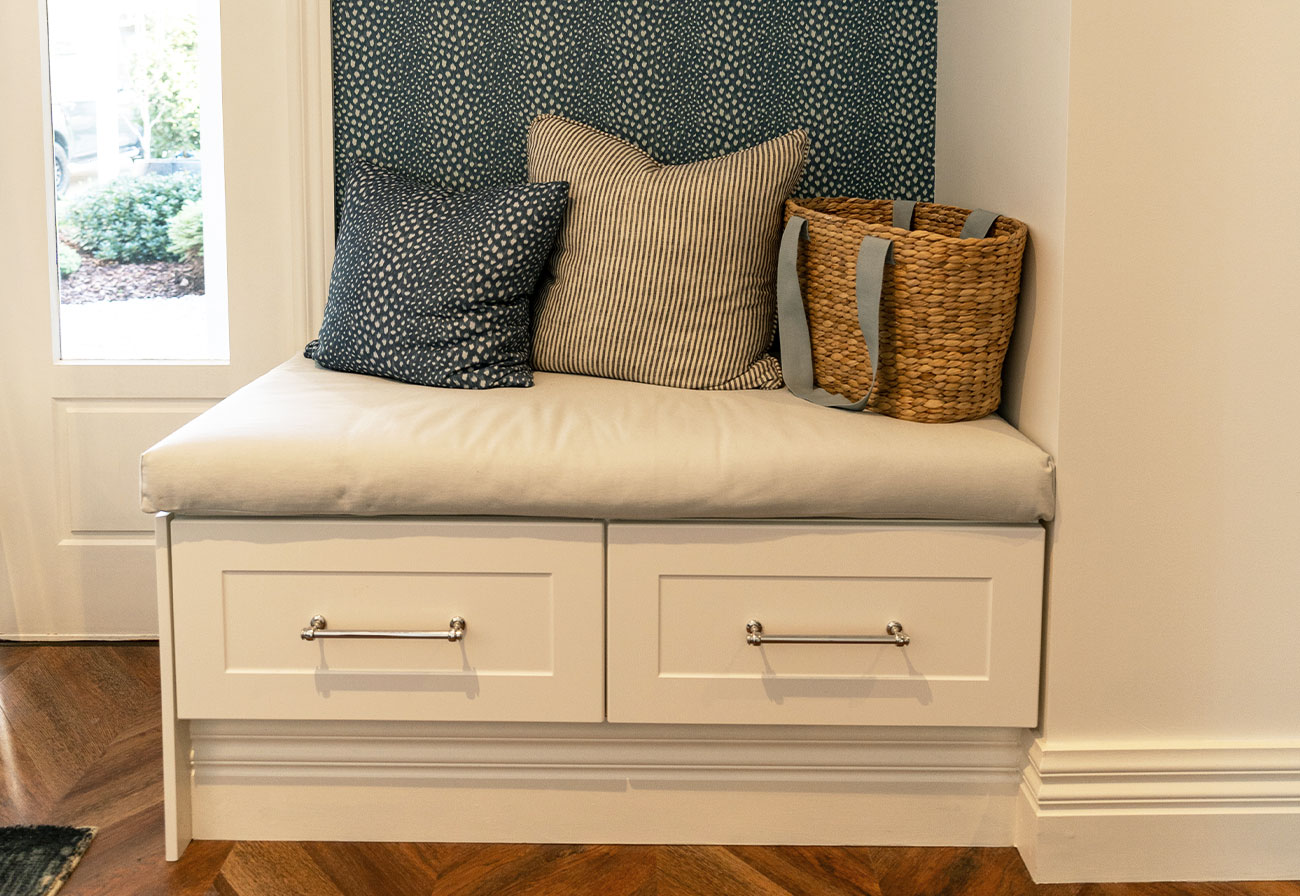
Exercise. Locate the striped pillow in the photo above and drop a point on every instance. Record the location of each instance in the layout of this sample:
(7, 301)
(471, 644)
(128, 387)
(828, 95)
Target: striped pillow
(662, 273)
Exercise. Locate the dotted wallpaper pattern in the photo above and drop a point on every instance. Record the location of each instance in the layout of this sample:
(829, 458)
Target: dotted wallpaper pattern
(445, 89)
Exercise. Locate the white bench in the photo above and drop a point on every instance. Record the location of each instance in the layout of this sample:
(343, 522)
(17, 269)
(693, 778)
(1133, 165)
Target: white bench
(606, 544)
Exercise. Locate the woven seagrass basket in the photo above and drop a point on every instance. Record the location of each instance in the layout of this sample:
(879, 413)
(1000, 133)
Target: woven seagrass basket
(947, 307)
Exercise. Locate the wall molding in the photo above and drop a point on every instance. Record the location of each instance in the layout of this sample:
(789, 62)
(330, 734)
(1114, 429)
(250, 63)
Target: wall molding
(1177, 811)
(312, 131)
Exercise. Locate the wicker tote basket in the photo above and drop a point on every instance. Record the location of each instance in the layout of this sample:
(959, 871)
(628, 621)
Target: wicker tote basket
(942, 312)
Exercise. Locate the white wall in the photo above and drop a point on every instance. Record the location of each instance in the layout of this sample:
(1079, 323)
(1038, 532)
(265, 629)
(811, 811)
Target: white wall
(1176, 564)
(1165, 307)
(1000, 144)
(1154, 149)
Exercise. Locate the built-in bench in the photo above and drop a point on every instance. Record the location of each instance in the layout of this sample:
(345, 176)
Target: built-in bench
(627, 562)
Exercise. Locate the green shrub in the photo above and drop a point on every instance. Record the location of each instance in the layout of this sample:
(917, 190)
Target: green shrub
(185, 230)
(126, 219)
(69, 261)
(164, 70)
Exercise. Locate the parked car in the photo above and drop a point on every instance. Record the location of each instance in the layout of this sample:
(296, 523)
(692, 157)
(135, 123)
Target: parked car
(75, 139)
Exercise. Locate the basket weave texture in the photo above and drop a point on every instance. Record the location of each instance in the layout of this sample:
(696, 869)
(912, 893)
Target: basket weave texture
(946, 310)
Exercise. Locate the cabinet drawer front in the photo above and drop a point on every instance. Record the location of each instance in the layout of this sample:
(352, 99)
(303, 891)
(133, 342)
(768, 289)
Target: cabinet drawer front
(968, 599)
(530, 594)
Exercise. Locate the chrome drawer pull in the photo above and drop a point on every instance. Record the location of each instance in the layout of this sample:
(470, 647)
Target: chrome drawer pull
(316, 629)
(755, 637)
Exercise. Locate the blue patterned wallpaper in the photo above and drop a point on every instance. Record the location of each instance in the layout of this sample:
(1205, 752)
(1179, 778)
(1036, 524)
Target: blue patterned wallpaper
(444, 89)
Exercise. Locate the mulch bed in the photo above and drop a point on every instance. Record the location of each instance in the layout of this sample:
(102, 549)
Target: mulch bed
(106, 281)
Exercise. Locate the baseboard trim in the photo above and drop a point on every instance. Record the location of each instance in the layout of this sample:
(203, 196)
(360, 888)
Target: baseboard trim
(602, 783)
(1182, 811)
(77, 638)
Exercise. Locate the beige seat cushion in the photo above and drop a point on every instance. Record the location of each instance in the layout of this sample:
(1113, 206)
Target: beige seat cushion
(663, 274)
(303, 440)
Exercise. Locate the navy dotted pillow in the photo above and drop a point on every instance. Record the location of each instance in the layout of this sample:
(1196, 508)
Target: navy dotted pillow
(433, 286)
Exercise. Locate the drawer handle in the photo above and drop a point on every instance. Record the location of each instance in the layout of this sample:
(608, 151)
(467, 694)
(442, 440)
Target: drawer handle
(895, 635)
(316, 629)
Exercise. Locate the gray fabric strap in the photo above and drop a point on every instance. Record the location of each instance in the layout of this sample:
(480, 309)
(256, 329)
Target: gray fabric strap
(904, 213)
(792, 322)
(796, 344)
(978, 224)
(873, 255)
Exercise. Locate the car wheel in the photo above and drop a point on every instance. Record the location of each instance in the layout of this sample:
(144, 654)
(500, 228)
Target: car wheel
(61, 173)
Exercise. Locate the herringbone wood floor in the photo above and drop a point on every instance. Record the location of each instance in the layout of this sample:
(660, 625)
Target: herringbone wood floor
(80, 743)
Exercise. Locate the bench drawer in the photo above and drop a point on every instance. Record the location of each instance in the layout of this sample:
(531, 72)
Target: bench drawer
(531, 595)
(968, 597)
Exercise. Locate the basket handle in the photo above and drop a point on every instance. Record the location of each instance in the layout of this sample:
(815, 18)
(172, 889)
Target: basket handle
(976, 226)
(904, 213)
(792, 321)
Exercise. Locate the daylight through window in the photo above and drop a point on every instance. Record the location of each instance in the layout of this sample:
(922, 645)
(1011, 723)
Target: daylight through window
(135, 112)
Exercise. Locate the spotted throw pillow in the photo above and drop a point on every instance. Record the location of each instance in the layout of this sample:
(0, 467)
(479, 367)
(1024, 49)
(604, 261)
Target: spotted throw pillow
(432, 286)
(664, 273)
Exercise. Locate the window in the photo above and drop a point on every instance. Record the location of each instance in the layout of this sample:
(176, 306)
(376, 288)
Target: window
(135, 111)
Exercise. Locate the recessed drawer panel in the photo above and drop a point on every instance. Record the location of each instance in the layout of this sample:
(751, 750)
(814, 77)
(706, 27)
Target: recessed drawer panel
(683, 599)
(513, 616)
(953, 613)
(530, 595)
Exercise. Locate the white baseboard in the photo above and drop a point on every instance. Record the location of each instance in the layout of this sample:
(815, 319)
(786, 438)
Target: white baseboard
(602, 783)
(73, 638)
(1186, 811)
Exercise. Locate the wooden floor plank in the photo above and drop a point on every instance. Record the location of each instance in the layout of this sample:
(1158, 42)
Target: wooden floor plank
(126, 857)
(690, 870)
(124, 781)
(957, 871)
(833, 871)
(51, 744)
(274, 869)
(65, 705)
(605, 870)
(125, 681)
(141, 659)
(22, 798)
(1249, 888)
(514, 869)
(12, 654)
(359, 868)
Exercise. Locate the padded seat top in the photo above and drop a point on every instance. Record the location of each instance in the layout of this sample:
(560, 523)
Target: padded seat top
(305, 441)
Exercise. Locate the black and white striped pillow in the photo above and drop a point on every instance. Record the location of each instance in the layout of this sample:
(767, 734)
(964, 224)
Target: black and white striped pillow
(662, 274)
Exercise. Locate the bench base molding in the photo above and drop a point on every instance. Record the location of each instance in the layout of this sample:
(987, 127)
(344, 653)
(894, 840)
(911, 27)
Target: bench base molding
(601, 784)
